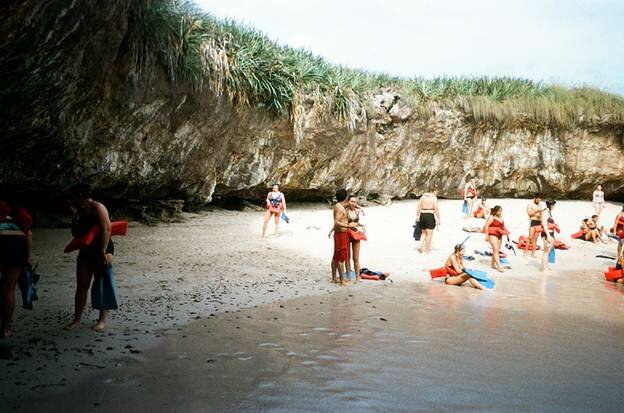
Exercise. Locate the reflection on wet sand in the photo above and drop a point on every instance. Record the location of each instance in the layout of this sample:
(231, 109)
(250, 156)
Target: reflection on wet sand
(548, 344)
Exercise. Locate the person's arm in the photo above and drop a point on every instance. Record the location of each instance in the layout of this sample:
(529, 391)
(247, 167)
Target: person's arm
(418, 209)
(337, 218)
(487, 227)
(466, 191)
(29, 246)
(103, 221)
(436, 210)
(545, 227)
(283, 202)
(330, 233)
(266, 201)
(617, 218)
(594, 196)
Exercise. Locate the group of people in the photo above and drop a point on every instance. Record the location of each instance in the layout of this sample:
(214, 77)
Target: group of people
(16, 247)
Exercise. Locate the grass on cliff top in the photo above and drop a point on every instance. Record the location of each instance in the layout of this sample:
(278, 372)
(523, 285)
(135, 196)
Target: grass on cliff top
(248, 68)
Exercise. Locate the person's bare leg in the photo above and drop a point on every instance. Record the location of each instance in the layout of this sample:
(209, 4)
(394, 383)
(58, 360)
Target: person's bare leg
(534, 244)
(83, 280)
(475, 283)
(267, 217)
(334, 269)
(277, 220)
(545, 268)
(101, 323)
(530, 240)
(341, 268)
(428, 235)
(496, 244)
(457, 279)
(10, 274)
(356, 259)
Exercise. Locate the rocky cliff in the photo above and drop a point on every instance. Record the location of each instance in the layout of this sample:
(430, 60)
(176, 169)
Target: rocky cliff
(75, 103)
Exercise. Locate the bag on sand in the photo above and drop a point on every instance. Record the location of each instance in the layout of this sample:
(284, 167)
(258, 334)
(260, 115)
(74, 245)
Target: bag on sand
(103, 291)
(417, 231)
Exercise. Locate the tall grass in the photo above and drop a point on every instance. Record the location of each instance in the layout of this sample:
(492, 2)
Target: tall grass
(249, 69)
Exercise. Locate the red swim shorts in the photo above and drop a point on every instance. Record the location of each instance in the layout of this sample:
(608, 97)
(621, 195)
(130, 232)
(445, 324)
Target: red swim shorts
(341, 246)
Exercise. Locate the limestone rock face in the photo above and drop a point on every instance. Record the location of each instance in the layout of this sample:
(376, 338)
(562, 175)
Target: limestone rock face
(73, 103)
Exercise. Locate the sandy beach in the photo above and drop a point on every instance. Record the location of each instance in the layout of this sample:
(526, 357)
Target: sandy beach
(209, 278)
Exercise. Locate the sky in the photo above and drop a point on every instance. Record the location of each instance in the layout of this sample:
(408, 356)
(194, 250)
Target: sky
(569, 42)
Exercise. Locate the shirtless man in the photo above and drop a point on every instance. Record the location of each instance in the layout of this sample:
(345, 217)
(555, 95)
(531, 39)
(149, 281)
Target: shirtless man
(341, 259)
(534, 211)
(428, 215)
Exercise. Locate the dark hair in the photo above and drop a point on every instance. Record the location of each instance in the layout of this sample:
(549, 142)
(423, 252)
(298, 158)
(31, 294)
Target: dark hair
(468, 178)
(458, 247)
(341, 195)
(494, 210)
(433, 188)
(585, 219)
(352, 196)
(80, 190)
(537, 195)
(594, 216)
(550, 203)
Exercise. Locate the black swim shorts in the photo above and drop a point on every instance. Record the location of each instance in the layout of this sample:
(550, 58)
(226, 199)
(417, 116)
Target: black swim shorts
(535, 223)
(427, 220)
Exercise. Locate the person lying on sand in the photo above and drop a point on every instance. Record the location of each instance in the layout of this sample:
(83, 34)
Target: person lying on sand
(455, 265)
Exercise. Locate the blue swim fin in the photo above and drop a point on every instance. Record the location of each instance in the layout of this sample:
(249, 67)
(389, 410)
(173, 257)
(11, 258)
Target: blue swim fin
(551, 255)
(103, 291)
(480, 276)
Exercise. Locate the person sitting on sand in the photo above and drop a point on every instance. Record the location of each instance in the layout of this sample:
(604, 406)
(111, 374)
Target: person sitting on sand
(455, 265)
(481, 209)
(357, 233)
(598, 200)
(590, 231)
(470, 194)
(496, 239)
(534, 211)
(276, 204)
(602, 232)
(547, 234)
(15, 250)
(340, 260)
(428, 216)
(87, 213)
(618, 225)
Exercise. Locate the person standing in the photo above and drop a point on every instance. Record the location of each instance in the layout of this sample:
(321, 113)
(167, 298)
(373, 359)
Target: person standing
(618, 225)
(470, 195)
(495, 237)
(534, 211)
(428, 216)
(598, 200)
(356, 232)
(94, 258)
(340, 259)
(276, 204)
(548, 234)
(15, 250)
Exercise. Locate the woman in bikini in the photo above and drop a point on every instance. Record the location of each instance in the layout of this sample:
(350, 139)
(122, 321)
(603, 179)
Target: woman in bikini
(428, 216)
(15, 248)
(470, 194)
(276, 204)
(495, 238)
(598, 200)
(455, 266)
(591, 233)
(356, 232)
(547, 234)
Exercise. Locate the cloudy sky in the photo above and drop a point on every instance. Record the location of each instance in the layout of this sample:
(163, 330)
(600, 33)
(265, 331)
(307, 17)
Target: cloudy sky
(570, 42)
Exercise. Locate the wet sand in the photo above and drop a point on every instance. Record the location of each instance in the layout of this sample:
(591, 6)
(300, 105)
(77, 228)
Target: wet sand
(534, 343)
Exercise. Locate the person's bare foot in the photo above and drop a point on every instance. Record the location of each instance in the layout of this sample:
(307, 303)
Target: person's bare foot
(71, 326)
(343, 283)
(6, 333)
(335, 281)
(100, 326)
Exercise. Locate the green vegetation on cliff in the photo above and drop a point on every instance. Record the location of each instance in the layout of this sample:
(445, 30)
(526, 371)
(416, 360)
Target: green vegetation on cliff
(250, 69)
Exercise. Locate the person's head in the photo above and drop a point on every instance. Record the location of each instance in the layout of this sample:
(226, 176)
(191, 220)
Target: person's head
(275, 188)
(550, 204)
(77, 196)
(459, 249)
(599, 188)
(585, 220)
(352, 202)
(468, 178)
(433, 189)
(595, 218)
(341, 195)
(537, 198)
(497, 211)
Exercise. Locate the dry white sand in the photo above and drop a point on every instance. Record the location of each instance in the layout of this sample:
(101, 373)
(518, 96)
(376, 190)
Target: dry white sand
(217, 262)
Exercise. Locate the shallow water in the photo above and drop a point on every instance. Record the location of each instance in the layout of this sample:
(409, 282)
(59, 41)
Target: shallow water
(539, 344)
